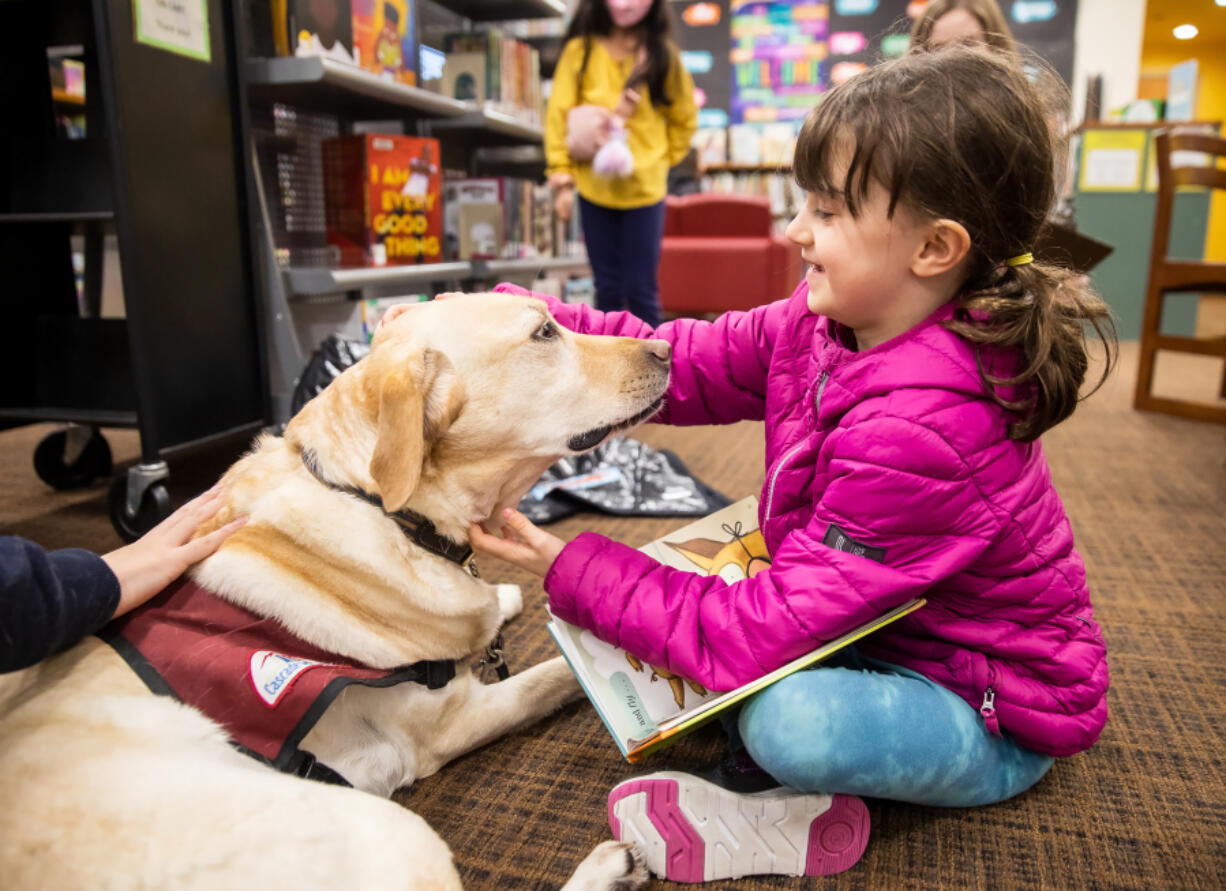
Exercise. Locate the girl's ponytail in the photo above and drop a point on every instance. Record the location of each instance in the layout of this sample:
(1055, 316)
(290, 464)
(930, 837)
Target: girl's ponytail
(1039, 314)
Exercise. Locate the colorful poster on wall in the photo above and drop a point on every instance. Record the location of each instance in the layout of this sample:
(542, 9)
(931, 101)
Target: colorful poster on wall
(702, 34)
(779, 51)
(863, 32)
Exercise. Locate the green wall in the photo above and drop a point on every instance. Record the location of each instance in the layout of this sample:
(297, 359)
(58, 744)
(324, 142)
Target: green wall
(1126, 221)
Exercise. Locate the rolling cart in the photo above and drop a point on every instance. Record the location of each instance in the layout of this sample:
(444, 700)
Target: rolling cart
(162, 165)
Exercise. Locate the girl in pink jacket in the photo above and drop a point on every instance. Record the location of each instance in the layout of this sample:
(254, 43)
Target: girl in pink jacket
(904, 387)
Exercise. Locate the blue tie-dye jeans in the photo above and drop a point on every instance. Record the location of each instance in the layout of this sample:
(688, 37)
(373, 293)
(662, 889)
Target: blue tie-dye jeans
(863, 727)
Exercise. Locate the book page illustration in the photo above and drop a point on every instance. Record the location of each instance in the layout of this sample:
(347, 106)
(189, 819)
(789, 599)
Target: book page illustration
(646, 707)
(636, 697)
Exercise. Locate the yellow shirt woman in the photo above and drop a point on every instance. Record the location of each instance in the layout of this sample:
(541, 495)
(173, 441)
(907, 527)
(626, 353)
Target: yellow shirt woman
(658, 135)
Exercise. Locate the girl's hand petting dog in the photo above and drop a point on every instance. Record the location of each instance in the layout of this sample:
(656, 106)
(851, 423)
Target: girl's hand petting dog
(400, 309)
(522, 544)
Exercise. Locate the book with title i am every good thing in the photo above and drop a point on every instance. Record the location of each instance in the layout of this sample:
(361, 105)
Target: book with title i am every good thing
(646, 708)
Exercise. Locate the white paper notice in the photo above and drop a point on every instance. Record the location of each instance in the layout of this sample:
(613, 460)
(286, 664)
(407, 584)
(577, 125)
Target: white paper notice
(177, 26)
(1112, 168)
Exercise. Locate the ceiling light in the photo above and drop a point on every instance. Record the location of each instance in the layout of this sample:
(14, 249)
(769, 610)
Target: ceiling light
(1185, 32)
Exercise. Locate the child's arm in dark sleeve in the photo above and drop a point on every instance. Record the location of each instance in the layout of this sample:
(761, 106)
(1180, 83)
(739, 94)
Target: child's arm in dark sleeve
(50, 600)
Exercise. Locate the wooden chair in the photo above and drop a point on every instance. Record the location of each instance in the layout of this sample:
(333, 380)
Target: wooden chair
(1179, 275)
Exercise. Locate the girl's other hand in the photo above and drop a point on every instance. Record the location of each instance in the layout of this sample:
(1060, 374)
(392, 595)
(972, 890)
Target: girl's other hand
(391, 313)
(396, 310)
(522, 544)
(627, 104)
(564, 202)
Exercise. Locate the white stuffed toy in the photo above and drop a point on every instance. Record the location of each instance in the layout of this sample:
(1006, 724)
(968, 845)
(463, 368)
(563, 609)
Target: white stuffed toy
(607, 134)
(614, 159)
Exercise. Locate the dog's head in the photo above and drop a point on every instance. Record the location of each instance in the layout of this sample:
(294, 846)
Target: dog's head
(485, 384)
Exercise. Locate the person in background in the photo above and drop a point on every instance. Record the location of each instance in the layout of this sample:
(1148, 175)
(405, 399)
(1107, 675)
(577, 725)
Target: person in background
(904, 388)
(51, 600)
(618, 56)
(981, 22)
(944, 22)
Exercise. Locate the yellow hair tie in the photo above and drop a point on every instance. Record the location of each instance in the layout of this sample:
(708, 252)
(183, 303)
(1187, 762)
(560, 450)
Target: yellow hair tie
(1020, 260)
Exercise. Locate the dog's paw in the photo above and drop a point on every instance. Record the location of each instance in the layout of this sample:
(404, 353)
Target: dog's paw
(510, 601)
(612, 866)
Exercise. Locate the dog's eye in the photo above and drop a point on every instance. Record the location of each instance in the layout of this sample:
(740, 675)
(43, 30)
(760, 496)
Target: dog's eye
(548, 331)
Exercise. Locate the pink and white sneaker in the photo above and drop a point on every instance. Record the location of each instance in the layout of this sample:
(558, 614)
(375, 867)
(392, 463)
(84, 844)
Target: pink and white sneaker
(691, 830)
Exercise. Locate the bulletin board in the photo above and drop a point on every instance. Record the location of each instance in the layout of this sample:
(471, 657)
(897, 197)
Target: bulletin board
(770, 60)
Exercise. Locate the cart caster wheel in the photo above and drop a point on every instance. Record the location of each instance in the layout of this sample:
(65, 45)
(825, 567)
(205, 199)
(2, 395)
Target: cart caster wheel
(91, 462)
(154, 507)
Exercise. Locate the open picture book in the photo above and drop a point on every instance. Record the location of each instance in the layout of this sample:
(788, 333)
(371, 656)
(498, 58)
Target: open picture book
(646, 708)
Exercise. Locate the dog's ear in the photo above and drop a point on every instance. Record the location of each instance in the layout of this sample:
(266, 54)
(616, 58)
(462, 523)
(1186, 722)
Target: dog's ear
(416, 403)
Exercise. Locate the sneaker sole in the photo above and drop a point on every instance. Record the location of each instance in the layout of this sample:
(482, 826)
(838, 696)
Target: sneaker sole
(690, 830)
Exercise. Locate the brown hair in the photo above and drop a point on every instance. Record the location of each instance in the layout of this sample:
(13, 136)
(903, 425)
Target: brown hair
(591, 19)
(991, 20)
(960, 134)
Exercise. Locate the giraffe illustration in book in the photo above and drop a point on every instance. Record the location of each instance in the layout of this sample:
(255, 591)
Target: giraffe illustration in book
(743, 556)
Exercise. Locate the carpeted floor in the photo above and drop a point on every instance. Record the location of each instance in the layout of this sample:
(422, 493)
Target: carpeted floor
(1145, 808)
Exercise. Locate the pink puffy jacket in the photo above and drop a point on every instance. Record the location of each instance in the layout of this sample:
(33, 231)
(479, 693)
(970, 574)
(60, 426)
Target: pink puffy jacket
(888, 476)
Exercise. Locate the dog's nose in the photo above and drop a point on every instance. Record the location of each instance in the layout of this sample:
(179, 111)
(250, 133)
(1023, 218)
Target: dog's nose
(660, 350)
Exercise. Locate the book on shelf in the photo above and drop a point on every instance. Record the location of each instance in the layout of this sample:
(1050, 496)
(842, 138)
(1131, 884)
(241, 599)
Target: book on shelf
(379, 36)
(512, 72)
(464, 77)
(712, 145)
(762, 144)
(383, 199)
(480, 231)
(646, 708)
(528, 227)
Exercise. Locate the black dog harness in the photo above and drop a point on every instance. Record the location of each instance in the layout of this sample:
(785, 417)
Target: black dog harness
(418, 529)
(422, 532)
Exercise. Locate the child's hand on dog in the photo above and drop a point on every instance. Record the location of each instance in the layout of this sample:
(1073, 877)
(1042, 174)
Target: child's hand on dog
(522, 544)
(400, 309)
(164, 553)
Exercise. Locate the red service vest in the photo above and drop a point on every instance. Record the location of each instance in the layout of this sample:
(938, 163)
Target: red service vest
(248, 673)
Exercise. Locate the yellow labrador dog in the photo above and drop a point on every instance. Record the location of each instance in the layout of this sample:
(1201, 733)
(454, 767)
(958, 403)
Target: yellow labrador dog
(460, 406)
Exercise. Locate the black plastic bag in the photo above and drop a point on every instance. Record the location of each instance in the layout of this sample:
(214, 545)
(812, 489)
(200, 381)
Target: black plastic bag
(334, 355)
(621, 476)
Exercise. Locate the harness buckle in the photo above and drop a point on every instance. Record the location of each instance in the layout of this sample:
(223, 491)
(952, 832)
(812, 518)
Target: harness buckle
(493, 661)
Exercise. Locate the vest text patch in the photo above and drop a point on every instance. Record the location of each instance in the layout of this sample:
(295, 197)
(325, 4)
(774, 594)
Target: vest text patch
(273, 673)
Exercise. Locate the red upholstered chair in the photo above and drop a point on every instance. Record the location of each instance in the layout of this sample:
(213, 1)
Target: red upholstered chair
(718, 254)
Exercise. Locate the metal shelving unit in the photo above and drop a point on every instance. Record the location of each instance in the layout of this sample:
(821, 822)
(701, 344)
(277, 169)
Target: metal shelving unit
(85, 216)
(160, 165)
(316, 280)
(298, 91)
(492, 125)
(505, 10)
(327, 85)
(494, 268)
